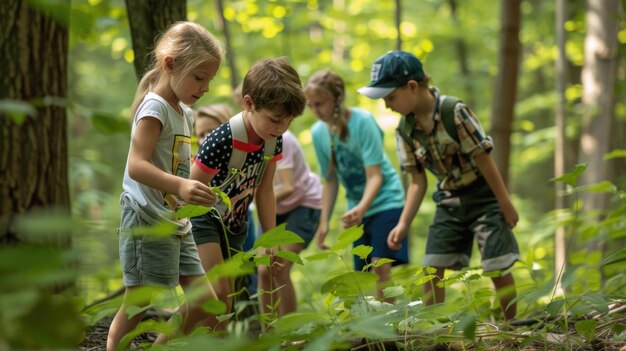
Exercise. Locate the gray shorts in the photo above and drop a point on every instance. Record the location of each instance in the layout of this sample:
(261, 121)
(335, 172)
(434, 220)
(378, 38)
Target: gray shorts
(465, 215)
(155, 260)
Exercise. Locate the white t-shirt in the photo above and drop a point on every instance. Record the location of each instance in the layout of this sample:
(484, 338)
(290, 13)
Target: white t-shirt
(172, 154)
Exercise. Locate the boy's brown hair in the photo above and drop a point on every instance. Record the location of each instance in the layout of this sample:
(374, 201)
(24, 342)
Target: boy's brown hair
(274, 85)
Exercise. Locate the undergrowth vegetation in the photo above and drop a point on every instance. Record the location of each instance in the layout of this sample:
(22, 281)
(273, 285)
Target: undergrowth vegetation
(338, 310)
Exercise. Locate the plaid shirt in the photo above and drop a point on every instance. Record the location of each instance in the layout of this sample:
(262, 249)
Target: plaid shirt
(451, 162)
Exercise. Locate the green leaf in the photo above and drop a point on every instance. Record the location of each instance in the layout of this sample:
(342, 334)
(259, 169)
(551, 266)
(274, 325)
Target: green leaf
(348, 237)
(571, 178)
(223, 196)
(215, 307)
(188, 211)
(425, 279)
(290, 256)
(160, 229)
(321, 256)
(382, 261)
(362, 251)
(393, 291)
(350, 284)
(235, 266)
(616, 256)
(587, 328)
(374, 325)
(618, 153)
(277, 236)
(294, 321)
(601, 187)
(17, 110)
(555, 307)
(468, 325)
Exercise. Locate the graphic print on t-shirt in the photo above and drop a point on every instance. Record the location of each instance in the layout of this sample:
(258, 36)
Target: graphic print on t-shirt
(181, 163)
(350, 169)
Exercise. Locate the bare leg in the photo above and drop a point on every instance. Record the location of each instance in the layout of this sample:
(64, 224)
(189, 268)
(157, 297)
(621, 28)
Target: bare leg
(121, 324)
(211, 255)
(432, 292)
(384, 277)
(197, 290)
(287, 294)
(505, 289)
(267, 283)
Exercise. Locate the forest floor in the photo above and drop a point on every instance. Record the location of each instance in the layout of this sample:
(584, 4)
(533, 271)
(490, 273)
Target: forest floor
(610, 334)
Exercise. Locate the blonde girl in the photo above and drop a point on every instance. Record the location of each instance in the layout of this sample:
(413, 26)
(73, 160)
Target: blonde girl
(156, 180)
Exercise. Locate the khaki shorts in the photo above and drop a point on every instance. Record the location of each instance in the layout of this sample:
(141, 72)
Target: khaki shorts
(154, 260)
(463, 215)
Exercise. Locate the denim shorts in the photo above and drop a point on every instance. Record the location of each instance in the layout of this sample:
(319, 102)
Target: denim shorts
(302, 221)
(376, 229)
(154, 260)
(463, 215)
(209, 229)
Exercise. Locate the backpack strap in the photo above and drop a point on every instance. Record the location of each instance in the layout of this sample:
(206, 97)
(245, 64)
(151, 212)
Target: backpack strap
(238, 157)
(448, 103)
(238, 130)
(405, 129)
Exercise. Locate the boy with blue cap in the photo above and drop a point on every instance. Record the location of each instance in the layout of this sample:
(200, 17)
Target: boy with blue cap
(471, 197)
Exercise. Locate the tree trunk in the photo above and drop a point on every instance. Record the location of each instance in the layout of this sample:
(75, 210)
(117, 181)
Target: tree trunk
(559, 147)
(598, 78)
(461, 52)
(398, 19)
(505, 88)
(33, 152)
(230, 54)
(147, 19)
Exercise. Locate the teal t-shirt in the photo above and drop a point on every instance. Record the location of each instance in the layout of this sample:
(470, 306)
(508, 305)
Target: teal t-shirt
(362, 147)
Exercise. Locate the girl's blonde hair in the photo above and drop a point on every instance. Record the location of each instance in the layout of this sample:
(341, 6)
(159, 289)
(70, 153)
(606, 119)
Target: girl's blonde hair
(333, 84)
(189, 44)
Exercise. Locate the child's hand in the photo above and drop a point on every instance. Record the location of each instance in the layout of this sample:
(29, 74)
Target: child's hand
(197, 193)
(320, 235)
(352, 217)
(395, 237)
(510, 216)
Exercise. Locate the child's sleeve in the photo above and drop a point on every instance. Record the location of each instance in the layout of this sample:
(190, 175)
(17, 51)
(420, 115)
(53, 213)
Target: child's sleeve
(370, 140)
(215, 151)
(321, 144)
(472, 137)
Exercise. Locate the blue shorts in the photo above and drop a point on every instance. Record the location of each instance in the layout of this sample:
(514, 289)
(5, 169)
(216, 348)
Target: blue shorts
(302, 221)
(376, 229)
(463, 215)
(154, 260)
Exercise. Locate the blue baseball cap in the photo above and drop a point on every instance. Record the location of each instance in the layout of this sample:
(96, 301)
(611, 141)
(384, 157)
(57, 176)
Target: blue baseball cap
(393, 69)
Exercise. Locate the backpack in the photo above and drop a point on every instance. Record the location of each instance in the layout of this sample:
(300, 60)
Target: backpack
(238, 157)
(407, 123)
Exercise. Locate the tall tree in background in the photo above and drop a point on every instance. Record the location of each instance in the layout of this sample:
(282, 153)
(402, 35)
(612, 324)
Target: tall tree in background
(505, 89)
(398, 21)
(461, 51)
(598, 79)
(230, 54)
(147, 19)
(559, 147)
(33, 151)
